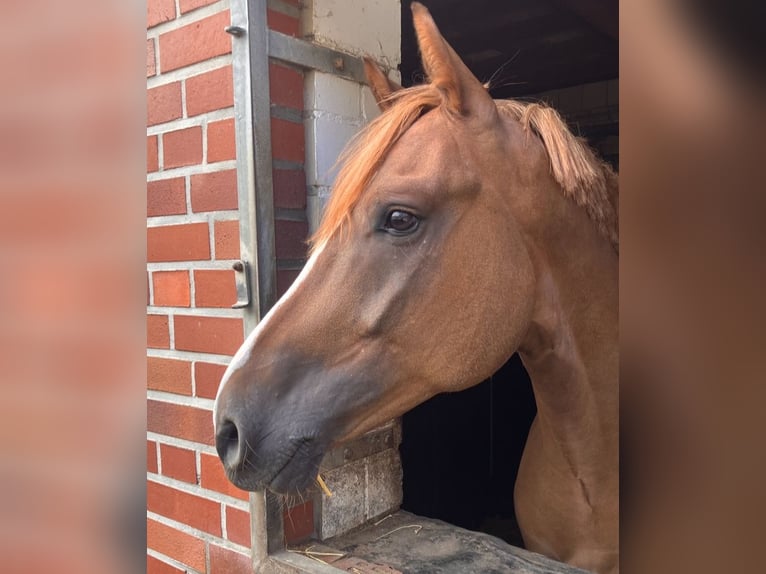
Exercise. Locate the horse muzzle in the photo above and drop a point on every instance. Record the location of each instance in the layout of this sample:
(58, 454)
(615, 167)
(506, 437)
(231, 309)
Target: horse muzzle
(274, 422)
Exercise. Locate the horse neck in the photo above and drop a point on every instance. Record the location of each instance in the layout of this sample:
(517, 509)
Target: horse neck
(571, 348)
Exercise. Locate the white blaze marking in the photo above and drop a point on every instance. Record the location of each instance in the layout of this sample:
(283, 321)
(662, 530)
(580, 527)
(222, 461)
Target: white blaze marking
(242, 355)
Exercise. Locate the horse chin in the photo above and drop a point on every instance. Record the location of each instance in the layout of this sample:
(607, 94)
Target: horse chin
(297, 476)
(290, 471)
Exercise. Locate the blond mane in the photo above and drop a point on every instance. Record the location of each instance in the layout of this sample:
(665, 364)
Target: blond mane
(590, 182)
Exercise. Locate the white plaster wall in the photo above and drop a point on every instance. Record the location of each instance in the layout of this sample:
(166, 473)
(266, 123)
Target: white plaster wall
(360, 27)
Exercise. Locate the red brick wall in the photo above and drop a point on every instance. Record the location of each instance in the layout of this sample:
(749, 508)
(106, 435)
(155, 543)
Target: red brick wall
(197, 521)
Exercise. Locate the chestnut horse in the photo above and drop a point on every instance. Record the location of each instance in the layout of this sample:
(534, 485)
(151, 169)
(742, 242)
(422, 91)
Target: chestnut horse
(460, 230)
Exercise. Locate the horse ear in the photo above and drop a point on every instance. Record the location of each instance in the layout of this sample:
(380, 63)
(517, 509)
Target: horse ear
(382, 87)
(463, 93)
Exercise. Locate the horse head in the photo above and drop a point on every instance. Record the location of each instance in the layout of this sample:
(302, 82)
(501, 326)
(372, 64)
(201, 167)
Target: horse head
(420, 280)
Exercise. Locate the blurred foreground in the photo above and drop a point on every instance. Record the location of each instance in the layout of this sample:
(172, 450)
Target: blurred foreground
(72, 287)
(692, 278)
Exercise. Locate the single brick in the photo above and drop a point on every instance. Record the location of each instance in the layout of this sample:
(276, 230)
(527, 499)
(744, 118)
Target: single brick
(151, 62)
(182, 147)
(221, 141)
(158, 11)
(171, 288)
(224, 561)
(179, 463)
(166, 197)
(287, 140)
(285, 278)
(163, 104)
(178, 545)
(180, 421)
(210, 91)
(299, 522)
(207, 378)
(214, 191)
(213, 477)
(282, 23)
(152, 154)
(195, 42)
(290, 239)
(214, 288)
(151, 456)
(226, 239)
(157, 332)
(184, 242)
(238, 526)
(155, 566)
(289, 188)
(168, 375)
(220, 335)
(286, 86)
(189, 5)
(193, 510)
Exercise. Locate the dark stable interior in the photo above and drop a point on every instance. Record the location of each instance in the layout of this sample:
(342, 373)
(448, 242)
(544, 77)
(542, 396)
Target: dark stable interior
(461, 451)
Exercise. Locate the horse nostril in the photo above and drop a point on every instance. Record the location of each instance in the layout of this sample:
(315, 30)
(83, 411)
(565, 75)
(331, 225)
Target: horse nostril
(227, 443)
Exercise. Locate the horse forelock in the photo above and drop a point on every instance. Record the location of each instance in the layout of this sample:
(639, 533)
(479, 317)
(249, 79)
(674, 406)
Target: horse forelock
(583, 177)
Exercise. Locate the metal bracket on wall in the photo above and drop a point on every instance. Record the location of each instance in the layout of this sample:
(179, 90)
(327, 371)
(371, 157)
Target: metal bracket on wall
(242, 283)
(315, 57)
(309, 55)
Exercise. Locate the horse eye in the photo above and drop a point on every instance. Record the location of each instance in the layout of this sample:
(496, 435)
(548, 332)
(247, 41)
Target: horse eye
(401, 222)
